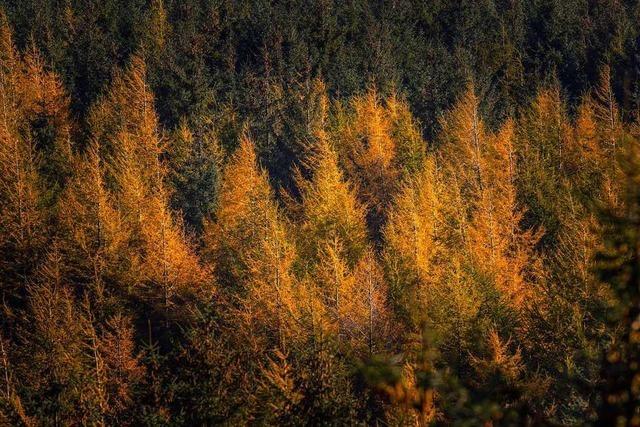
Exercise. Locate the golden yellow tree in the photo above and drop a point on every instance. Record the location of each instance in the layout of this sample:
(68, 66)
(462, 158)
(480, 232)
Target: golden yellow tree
(333, 282)
(42, 109)
(118, 366)
(411, 148)
(598, 134)
(330, 209)
(55, 361)
(244, 203)
(378, 145)
(332, 240)
(365, 316)
(81, 370)
(250, 244)
(607, 112)
(22, 220)
(482, 166)
(162, 266)
(587, 152)
(464, 137)
(94, 233)
(47, 107)
(499, 247)
(425, 257)
(413, 242)
(544, 135)
(273, 297)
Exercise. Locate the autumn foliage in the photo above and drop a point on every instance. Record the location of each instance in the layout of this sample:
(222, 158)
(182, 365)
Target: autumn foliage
(155, 274)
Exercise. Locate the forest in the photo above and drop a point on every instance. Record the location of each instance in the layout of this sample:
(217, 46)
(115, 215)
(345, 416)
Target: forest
(320, 212)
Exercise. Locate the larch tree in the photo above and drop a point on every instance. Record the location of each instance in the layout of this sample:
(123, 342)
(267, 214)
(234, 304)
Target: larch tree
(367, 316)
(500, 375)
(499, 247)
(598, 133)
(47, 107)
(485, 165)
(332, 233)
(562, 190)
(612, 136)
(43, 108)
(62, 383)
(330, 209)
(83, 369)
(587, 153)
(543, 134)
(94, 234)
(163, 266)
(123, 373)
(411, 148)
(273, 295)
(412, 243)
(22, 219)
(426, 261)
(378, 145)
(333, 281)
(158, 29)
(607, 113)
(463, 139)
(240, 221)
(250, 244)
(370, 152)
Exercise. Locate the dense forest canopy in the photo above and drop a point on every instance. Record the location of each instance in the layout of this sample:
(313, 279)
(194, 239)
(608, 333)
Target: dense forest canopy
(319, 212)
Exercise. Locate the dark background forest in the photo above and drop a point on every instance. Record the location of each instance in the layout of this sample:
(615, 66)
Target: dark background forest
(319, 212)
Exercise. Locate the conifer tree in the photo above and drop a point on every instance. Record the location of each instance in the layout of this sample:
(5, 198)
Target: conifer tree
(411, 148)
(93, 231)
(372, 153)
(378, 144)
(250, 244)
(159, 29)
(195, 160)
(587, 153)
(544, 133)
(242, 220)
(42, 109)
(330, 209)
(273, 294)
(71, 367)
(47, 109)
(332, 240)
(412, 244)
(22, 220)
(496, 246)
(163, 266)
(123, 373)
(607, 112)
(611, 136)
(564, 202)
(334, 282)
(430, 284)
(366, 316)
(57, 369)
(464, 137)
